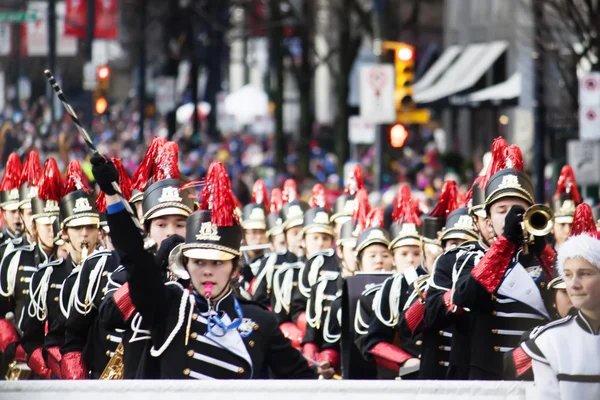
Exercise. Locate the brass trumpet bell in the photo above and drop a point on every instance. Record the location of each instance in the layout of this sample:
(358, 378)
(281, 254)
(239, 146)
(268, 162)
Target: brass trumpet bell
(176, 266)
(538, 220)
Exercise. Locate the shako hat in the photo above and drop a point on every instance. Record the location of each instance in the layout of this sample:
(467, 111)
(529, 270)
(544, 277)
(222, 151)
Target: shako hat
(9, 187)
(274, 220)
(293, 209)
(316, 219)
(374, 233)
(78, 205)
(459, 225)
(344, 204)
(404, 231)
(30, 178)
(168, 195)
(214, 232)
(567, 196)
(352, 228)
(511, 181)
(435, 220)
(44, 207)
(254, 214)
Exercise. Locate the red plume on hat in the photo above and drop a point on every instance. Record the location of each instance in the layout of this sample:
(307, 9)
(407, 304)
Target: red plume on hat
(124, 184)
(276, 201)
(289, 191)
(583, 222)
(361, 210)
(404, 212)
(145, 170)
(32, 169)
(318, 198)
(376, 217)
(75, 179)
(51, 184)
(218, 197)
(355, 181)
(259, 193)
(497, 162)
(448, 200)
(514, 158)
(12, 173)
(167, 162)
(567, 184)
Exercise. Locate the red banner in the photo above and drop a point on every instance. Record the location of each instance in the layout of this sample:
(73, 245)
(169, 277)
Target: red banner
(106, 19)
(76, 18)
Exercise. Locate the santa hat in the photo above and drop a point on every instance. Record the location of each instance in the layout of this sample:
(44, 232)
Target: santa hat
(583, 241)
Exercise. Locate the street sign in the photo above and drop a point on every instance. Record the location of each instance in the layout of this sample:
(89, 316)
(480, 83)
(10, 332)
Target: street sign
(377, 83)
(361, 131)
(584, 158)
(589, 89)
(5, 39)
(589, 122)
(18, 16)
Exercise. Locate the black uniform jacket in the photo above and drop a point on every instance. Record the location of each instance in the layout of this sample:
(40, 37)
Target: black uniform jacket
(179, 323)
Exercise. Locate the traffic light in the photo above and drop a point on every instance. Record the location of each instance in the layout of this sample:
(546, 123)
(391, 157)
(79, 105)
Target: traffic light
(404, 62)
(101, 92)
(398, 135)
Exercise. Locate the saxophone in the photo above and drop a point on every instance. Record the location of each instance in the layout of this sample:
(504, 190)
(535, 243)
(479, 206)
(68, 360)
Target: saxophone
(114, 368)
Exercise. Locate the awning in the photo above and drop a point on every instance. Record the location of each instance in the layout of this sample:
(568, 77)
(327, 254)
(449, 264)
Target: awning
(503, 94)
(437, 69)
(462, 75)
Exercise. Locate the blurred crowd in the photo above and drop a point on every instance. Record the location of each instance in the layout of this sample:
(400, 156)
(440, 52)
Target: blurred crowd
(246, 156)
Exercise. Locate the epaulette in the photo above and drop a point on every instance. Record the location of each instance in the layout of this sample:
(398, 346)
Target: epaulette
(537, 331)
(530, 346)
(370, 288)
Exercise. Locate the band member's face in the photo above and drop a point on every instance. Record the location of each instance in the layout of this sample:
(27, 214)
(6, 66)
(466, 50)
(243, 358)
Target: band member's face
(452, 243)
(219, 273)
(562, 302)
(83, 235)
(431, 253)
(26, 216)
(376, 258)
(583, 284)
(278, 242)
(482, 227)
(348, 256)
(293, 237)
(315, 242)
(407, 256)
(45, 234)
(498, 212)
(561, 233)
(255, 237)
(11, 218)
(166, 226)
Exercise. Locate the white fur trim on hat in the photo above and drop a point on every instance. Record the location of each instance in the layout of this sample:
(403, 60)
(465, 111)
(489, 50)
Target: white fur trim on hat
(581, 246)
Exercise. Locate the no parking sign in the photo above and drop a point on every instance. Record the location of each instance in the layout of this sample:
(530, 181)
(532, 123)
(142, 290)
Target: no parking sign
(589, 106)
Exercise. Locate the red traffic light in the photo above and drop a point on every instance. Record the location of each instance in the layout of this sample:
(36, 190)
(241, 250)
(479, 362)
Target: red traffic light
(103, 72)
(405, 54)
(398, 135)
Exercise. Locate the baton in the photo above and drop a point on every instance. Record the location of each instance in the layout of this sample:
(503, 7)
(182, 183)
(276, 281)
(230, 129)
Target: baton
(149, 244)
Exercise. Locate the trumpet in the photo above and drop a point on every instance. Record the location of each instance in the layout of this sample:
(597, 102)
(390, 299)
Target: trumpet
(538, 220)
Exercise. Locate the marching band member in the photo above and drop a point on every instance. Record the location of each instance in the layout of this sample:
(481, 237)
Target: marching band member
(566, 198)
(79, 222)
(88, 347)
(504, 289)
(376, 329)
(560, 350)
(254, 224)
(9, 200)
(14, 276)
(344, 204)
(207, 331)
(166, 205)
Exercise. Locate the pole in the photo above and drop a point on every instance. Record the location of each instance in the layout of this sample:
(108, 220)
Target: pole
(51, 50)
(91, 22)
(194, 80)
(540, 107)
(142, 70)
(378, 38)
(17, 53)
